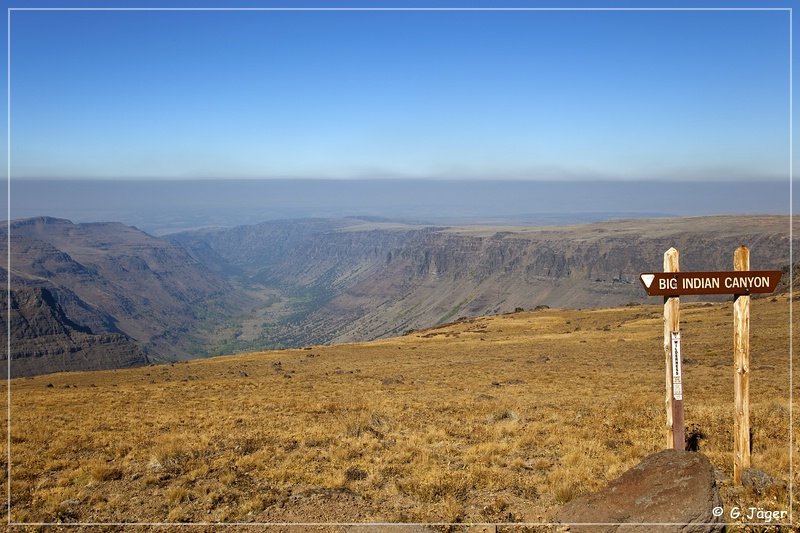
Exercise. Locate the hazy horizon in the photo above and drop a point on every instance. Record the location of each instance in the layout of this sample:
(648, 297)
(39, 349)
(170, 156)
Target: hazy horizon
(163, 206)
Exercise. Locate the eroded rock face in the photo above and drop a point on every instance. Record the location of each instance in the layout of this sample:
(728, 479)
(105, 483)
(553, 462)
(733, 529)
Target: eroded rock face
(668, 491)
(100, 295)
(351, 281)
(45, 339)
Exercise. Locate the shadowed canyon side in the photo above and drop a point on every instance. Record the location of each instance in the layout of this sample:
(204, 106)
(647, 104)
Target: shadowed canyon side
(315, 281)
(104, 295)
(44, 339)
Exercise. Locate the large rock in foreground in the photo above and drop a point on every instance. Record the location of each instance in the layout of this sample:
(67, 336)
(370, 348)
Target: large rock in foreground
(668, 491)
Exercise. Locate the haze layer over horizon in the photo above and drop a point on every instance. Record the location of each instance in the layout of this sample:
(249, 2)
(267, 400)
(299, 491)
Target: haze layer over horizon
(164, 206)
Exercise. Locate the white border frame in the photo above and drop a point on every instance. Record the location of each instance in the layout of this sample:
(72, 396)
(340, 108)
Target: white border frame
(357, 9)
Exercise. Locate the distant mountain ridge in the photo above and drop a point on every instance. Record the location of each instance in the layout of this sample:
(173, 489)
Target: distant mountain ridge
(104, 295)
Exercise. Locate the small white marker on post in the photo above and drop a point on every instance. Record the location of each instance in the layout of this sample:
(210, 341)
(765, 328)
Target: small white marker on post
(677, 367)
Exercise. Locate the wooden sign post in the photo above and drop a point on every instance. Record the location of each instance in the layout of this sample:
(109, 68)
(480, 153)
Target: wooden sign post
(675, 427)
(741, 376)
(741, 283)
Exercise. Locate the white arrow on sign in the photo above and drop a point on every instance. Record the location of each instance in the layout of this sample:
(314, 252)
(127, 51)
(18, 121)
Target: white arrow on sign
(648, 279)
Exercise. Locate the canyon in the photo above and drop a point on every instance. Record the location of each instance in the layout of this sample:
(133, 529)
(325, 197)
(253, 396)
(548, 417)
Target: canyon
(292, 283)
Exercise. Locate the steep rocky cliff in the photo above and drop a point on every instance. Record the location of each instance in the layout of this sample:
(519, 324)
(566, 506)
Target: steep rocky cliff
(45, 339)
(353, 279)
(127, 290)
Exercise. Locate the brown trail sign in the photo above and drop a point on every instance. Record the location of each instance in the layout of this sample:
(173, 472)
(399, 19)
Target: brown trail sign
(741, 282)
(688, 283)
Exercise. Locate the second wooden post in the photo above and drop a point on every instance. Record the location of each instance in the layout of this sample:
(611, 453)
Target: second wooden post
(741, 376)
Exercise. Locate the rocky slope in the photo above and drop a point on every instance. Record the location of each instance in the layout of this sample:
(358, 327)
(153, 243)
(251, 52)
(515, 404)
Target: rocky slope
(44, 339)
(353, 279)
(134, 291)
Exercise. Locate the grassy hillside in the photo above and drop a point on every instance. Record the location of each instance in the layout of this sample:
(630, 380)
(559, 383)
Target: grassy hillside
(495, 419)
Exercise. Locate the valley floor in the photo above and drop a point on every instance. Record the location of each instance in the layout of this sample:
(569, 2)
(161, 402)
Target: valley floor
(499, 419)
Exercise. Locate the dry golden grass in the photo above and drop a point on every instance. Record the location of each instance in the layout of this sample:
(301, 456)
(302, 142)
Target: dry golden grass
(496, 419)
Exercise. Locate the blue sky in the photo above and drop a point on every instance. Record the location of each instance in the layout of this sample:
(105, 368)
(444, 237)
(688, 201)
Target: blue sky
(480, 95)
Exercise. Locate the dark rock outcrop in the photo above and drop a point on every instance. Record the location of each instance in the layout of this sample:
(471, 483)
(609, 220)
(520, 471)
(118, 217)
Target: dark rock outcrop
(669, 491)
(44, 339)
